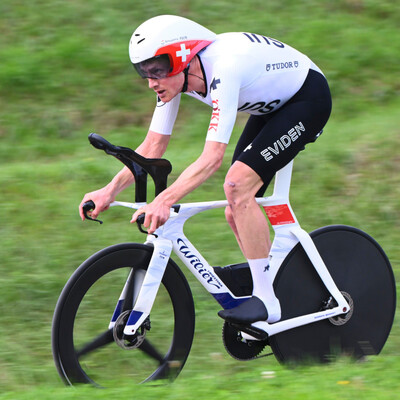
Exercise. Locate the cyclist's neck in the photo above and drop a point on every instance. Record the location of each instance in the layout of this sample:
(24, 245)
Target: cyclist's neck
(196, 80)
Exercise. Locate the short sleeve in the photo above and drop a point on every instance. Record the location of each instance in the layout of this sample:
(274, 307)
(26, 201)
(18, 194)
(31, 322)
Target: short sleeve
(164, 116)
(224, 91)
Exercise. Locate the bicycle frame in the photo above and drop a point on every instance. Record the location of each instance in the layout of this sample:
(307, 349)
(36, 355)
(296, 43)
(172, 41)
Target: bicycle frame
(170, 237)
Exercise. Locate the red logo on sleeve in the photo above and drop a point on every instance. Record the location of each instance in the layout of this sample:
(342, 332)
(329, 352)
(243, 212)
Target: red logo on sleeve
(214, 117)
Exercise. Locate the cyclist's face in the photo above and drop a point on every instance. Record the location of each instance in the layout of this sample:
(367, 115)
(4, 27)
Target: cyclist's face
(167, 88)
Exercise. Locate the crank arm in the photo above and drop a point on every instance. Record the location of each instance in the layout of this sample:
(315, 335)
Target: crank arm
(252, 331)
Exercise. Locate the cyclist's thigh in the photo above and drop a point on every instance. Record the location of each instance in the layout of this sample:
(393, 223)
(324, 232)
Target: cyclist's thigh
(282, 137)
(254, 125)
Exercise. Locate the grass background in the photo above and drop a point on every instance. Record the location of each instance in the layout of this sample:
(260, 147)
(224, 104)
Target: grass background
(65, 72)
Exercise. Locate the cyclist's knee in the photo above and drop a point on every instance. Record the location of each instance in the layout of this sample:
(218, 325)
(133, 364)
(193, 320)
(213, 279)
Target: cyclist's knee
(231, 191)
(241, 184)
(235, 191)
(230, 220)
(229, 215)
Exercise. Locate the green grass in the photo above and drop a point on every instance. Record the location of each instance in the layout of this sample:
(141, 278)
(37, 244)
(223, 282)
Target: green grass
(344, 380)
(65, 72)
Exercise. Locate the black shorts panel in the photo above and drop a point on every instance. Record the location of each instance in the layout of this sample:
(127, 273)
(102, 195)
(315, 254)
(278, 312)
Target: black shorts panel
(270, 142)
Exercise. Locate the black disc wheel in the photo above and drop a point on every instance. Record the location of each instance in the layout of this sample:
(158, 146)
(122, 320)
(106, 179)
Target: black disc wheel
(362, 273)
(85, 350)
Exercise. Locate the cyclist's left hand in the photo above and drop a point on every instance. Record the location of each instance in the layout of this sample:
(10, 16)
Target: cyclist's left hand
(157, 213)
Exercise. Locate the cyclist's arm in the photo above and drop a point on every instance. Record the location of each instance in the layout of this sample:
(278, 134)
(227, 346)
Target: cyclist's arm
(195, 174)
(153, 146)
(158, 211)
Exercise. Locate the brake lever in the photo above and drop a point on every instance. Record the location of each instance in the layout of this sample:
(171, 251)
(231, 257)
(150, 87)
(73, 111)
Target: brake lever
(88, 206)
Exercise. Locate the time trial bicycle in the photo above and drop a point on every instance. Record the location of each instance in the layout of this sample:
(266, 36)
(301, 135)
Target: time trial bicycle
(336, 288)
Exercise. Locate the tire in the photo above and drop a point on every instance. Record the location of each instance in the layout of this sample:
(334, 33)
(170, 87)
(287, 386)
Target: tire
(84, 349)
(361, 269)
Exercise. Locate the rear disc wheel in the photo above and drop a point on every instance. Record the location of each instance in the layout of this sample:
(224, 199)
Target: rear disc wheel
(362, 272)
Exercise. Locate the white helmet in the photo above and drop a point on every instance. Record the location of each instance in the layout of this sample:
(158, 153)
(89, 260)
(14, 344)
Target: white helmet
(164, 45)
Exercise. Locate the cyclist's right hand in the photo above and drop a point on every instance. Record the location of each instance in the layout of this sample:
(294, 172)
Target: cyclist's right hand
(101, 198)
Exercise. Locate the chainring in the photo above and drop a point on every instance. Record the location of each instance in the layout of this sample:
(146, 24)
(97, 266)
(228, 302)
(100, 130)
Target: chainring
(239, 348)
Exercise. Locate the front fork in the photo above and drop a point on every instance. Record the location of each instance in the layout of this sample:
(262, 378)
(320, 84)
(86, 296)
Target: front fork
(148, 290)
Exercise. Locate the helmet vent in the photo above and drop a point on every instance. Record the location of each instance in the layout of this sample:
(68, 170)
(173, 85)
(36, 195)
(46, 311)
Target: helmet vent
(141, 40)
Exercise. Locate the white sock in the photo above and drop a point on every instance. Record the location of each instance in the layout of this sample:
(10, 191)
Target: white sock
(281, 246)
(263, 278)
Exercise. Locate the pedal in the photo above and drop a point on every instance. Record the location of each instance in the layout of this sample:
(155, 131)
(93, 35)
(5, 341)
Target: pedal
(257, 333)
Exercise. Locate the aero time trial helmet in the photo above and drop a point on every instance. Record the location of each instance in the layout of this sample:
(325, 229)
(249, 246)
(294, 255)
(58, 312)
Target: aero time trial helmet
(164, 46)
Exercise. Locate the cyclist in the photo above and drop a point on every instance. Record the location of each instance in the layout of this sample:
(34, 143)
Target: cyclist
(288, 100)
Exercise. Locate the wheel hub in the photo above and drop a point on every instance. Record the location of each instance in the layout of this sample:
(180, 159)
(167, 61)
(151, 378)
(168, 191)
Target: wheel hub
(344, 318)
(129, 342)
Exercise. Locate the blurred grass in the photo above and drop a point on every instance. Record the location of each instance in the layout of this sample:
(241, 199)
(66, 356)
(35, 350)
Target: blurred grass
(64, 72)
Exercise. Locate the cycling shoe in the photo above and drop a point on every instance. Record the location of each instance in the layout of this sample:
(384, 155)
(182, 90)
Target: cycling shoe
(250, 311)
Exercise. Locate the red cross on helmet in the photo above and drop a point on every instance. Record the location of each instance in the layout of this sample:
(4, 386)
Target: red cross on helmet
(164, 45)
